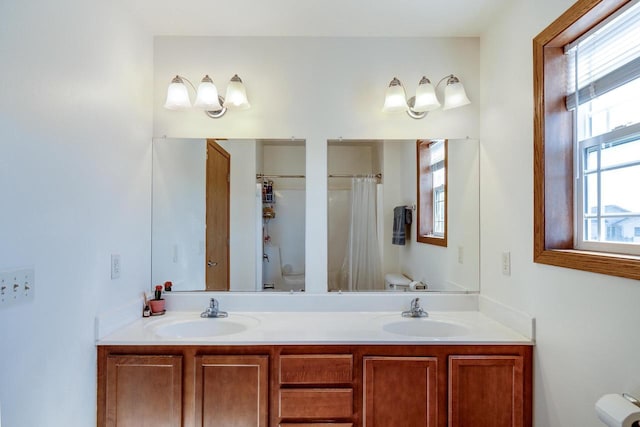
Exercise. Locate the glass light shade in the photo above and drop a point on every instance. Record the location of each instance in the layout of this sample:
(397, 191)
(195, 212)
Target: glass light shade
(395, 98)
(177, 95)
(236, 96)
(454, 94)
(426, 99)
(207, 98)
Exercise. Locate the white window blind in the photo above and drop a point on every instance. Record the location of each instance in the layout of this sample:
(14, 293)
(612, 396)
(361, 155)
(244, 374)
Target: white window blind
(606, 57)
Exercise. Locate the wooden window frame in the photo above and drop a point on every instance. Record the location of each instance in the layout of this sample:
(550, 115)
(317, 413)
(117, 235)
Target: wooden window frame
(420, 236)
(553, 242)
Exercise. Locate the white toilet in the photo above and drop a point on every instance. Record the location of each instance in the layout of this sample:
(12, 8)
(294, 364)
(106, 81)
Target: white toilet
(282, 277)
(292, 281)
(396, 282)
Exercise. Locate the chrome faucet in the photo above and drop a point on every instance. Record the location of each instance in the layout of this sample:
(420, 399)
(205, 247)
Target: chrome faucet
(415, 310)
(212, 311)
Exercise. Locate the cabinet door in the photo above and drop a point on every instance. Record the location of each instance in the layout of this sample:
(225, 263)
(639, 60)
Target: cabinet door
(232, 391)
(400, 391)
(144, 391)
(486, 391)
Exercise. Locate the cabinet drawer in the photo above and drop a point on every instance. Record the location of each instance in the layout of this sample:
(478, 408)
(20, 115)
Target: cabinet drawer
(317, 425)
(316, 403)
(316, 369)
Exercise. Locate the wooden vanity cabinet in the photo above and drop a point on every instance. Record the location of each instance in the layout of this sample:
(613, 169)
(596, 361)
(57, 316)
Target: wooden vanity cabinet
(232, 390)
(143, 389)
(400, 391)
(315, 386)
(486, 391)
(183, 386)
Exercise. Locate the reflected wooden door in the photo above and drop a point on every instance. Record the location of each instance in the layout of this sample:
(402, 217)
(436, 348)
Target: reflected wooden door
(217, 226)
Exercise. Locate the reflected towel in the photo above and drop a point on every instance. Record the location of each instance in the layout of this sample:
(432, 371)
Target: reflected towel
(401, 218)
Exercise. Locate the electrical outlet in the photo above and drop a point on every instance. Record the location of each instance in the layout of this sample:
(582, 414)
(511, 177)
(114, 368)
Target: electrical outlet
(506, 263)
(115, 266)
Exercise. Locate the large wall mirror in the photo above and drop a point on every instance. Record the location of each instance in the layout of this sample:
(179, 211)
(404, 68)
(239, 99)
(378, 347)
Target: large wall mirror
(373, 219)
(228, 215)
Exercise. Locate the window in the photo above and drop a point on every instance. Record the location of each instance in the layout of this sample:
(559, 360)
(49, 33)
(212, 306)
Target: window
(604, 66)
(432, 191)
(587, 139)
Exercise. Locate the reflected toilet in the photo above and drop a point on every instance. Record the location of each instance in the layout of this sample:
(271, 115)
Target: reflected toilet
(282, 277)
(396, 282)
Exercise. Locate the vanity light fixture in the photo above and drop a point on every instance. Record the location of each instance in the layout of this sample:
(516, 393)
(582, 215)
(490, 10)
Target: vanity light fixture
(207, 98)
(425, 100)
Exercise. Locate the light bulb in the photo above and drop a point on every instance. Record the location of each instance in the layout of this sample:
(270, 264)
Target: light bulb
(177, 95)
(236, 96)
(207, 98)
(454, 94)
(395, 98)
(426, 99)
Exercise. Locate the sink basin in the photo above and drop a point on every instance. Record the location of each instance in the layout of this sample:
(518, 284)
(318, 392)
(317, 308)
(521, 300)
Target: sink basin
(424, 327)
(202, 328)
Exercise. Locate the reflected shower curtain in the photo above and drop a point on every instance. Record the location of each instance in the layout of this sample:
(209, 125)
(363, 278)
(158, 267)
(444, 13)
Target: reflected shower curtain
(361, 268)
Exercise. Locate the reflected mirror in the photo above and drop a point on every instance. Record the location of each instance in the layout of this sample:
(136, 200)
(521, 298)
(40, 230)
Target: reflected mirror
(372, 217)
(228, 215)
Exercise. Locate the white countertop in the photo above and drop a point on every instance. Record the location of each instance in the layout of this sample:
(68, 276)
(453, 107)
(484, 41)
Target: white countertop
(305, 328)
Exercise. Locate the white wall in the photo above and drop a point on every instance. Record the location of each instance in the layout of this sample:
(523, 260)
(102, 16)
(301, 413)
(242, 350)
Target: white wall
(243, 214)
(437, 266)
(316, 89)
(587, 340)
(178, 220)
(287, 229)
(75, 157)
(399, 160)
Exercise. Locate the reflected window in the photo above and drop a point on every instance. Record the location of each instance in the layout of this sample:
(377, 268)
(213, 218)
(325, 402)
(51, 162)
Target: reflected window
(432, 191)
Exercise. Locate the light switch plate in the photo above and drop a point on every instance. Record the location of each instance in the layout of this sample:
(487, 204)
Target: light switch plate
(506, 263)
(115, 266)
(17, 286)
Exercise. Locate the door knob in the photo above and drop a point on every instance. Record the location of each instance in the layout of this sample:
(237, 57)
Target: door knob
(211, 264)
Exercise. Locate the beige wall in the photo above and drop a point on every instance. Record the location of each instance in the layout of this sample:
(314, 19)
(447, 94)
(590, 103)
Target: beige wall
(585, 323)
(75, 177)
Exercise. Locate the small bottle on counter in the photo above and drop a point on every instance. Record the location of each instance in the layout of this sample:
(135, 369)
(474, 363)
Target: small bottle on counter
(146, 310)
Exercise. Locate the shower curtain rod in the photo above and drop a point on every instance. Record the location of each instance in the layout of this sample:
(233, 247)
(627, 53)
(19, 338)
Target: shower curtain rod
(341, 175)
(261, 176)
